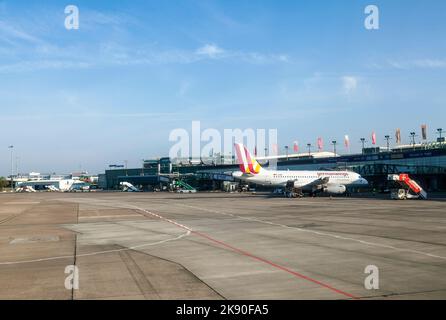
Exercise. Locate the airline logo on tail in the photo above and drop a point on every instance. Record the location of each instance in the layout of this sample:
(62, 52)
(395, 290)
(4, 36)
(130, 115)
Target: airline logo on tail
(246, 162)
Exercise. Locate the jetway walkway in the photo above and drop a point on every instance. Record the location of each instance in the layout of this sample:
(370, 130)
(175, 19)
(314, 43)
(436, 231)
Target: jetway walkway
(412, 188)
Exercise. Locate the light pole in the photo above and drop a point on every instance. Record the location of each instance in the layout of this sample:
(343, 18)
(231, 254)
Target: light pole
(440, 131)
(387, 137)
(309, 149)
(125, 166)
(334, 142)
(17, 162)
(413, 135)
(363, 144)
(12, 166)
(286, 150)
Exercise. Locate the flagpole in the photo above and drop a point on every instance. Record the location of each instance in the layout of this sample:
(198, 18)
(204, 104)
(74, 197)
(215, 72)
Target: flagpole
(12, 167)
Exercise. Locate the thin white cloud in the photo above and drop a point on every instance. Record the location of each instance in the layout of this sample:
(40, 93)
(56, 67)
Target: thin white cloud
(25, 52)
(115, 55)
(210, 50)
(96, 17)
(184, 88)
(283, 58)
(11, 34)
(100, 115)
(430, 63)
(426, 63)
(28, 66)
(349, 84)
(397, 65)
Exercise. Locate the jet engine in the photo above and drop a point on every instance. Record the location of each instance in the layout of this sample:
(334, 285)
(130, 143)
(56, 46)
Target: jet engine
(292, 184)
(335, 189)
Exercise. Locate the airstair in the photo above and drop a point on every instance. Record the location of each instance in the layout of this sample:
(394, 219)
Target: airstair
(128, 187)
(25, 189)
(184, 187)
(52, 188)
(412, 190)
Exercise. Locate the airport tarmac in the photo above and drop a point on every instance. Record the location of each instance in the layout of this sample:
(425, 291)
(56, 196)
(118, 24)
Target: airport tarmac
(219, 246)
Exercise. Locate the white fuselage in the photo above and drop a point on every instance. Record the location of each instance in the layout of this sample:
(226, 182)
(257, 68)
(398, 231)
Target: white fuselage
(302, 179)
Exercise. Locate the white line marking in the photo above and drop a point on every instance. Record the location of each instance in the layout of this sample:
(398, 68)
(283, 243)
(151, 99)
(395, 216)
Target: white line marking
(21, 203)
(316, 232)
(98, 252)
(188, 232)
(162, 218)
(115, 216)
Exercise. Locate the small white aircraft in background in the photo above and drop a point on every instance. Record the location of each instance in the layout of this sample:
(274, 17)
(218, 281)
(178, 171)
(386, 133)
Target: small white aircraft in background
(295, 182)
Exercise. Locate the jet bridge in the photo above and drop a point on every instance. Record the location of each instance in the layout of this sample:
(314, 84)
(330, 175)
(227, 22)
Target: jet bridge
(408, 188)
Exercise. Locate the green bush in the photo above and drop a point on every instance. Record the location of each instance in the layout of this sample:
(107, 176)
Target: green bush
(3, 183)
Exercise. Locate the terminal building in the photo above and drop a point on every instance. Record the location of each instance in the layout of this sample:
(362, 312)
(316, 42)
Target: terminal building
(425, 162)
(41, 181)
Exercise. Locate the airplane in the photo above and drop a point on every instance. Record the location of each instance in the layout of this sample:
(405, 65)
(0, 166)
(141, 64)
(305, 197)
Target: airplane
(296, 183)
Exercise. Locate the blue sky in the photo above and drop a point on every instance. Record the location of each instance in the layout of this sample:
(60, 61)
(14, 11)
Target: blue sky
(135, 70)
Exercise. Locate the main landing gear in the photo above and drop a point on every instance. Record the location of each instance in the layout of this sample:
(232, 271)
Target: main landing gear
(294, 194)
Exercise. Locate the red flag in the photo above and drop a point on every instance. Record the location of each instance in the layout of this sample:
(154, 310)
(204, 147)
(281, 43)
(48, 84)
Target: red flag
(296, 146)
(320, 144)
(398, 136)
(275, 149)
(373, 138)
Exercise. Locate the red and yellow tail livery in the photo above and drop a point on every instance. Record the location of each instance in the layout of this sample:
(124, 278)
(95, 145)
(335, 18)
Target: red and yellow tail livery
(248, 164)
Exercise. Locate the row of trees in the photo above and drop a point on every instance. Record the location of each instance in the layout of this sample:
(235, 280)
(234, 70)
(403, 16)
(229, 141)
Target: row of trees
(3, 183)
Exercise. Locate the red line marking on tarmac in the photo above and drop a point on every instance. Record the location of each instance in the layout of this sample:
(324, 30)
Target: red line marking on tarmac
(245, 253)
(297, 274)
